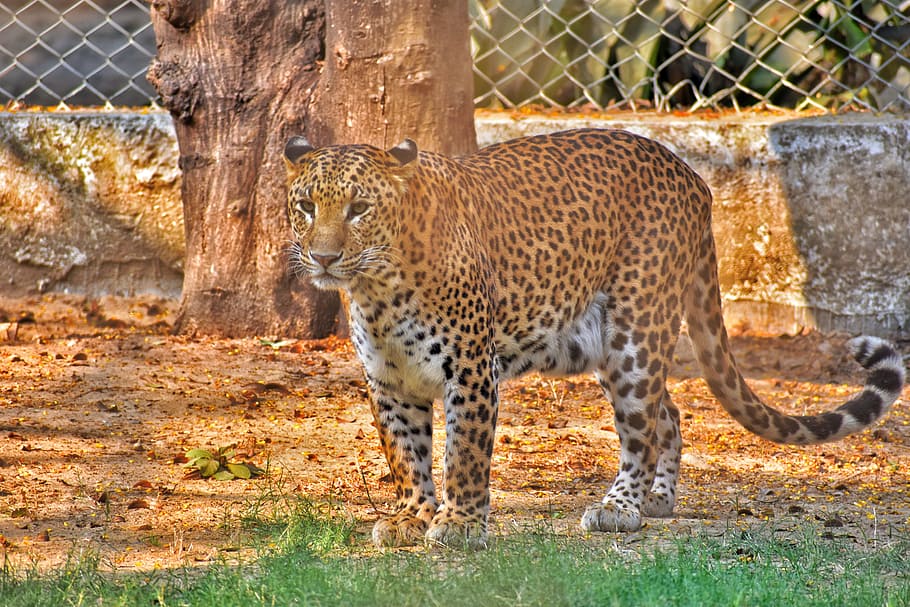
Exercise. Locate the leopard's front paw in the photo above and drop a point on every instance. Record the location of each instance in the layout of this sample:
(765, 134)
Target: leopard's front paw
(610, 516)
(402, 529)
(458, 530)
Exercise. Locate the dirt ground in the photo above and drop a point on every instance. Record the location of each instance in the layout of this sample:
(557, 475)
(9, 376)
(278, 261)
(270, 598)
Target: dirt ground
(99, 404)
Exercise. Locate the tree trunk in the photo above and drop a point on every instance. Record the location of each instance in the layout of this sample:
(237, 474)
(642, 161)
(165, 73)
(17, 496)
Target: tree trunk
(396, 69)
(239, 78)
(235, 76)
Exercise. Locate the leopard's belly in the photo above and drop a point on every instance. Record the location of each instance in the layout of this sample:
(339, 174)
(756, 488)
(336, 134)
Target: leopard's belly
(404, 359)
(578, 347)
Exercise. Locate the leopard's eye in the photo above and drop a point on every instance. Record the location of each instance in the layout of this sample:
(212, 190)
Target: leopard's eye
(358, 208)
(307, 207)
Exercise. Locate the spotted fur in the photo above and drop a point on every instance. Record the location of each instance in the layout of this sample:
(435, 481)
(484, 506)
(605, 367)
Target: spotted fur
(575, 252)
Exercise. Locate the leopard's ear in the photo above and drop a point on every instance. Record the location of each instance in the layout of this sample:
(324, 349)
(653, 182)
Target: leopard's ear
(404, 152)
(295, 148)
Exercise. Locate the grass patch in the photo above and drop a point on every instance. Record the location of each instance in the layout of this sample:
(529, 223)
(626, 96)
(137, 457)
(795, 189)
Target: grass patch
(309, 556)
(549, 570)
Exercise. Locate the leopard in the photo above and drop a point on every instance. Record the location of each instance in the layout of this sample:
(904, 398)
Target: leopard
(579, 251)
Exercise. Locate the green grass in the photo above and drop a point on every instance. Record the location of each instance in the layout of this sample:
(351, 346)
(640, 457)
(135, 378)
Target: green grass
(309, 557)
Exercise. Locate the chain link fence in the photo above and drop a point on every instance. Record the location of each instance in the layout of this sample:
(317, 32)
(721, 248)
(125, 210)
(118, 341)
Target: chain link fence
(663, 54)
(92, 52)
(697, 53)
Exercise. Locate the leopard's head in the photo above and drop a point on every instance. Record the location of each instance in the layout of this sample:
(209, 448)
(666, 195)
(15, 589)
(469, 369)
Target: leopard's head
(342, 204)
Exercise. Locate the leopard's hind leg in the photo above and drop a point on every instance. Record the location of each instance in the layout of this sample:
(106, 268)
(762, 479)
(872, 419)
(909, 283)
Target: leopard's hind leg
(661, 499)
(633, 376)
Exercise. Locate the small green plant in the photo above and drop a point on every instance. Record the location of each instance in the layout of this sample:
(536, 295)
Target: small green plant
(218, 465)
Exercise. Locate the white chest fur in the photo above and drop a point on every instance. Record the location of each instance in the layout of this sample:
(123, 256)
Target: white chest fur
(399, 356)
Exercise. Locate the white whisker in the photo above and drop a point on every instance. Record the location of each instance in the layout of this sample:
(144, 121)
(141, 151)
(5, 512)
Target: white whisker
(299, 265)
(376, 258)
(369, 261)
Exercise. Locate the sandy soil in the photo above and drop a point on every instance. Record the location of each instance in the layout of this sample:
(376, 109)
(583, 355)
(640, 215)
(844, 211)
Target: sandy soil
(99, 404)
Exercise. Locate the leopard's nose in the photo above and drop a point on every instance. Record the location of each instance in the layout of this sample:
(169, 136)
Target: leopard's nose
(325, 259)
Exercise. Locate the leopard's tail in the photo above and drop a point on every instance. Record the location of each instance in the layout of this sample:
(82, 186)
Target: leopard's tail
(709, 340)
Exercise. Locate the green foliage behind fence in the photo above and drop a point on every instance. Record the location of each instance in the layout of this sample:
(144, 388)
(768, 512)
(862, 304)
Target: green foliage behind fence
(701, 53)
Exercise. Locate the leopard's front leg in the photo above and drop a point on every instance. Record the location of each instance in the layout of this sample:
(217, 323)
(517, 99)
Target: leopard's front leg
(471, 407)
(406, 434)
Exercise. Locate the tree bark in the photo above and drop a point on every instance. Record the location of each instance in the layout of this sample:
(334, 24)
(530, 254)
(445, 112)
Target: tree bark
(236, 77)
(396, 69)
(240, 77)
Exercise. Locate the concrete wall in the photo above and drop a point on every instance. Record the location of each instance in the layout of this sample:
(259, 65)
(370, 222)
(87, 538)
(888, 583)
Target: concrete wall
(90, 203)
(812, 215)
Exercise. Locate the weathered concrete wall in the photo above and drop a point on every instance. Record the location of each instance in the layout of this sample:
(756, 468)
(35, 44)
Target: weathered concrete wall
(90, 203)
(811, 214)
